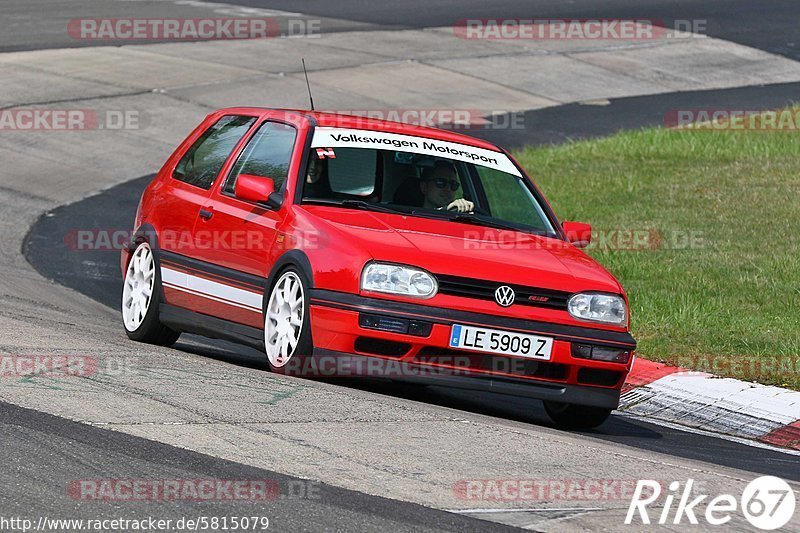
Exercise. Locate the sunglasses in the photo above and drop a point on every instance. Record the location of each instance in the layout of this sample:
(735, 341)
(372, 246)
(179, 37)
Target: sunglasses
(443, 183)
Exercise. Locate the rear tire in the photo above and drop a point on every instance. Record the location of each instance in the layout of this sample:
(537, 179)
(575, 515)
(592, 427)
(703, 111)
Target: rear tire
(287, 324)
(572, 416)
(141, 298)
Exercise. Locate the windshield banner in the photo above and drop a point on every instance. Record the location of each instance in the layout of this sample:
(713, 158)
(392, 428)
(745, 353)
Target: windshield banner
(350, 138)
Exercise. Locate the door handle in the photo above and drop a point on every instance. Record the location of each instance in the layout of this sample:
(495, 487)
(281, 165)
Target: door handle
(206, 214)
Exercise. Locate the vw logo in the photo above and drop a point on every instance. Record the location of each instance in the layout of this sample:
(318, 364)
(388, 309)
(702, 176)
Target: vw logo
(504, 295)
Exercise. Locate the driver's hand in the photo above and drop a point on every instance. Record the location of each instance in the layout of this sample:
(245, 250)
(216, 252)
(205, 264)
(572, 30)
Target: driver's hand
(461, 205)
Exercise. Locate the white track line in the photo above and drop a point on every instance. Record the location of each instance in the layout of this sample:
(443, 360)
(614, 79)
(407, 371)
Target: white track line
(687, 429)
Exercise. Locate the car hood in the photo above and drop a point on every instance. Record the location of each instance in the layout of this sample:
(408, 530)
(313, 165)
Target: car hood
(470, 251)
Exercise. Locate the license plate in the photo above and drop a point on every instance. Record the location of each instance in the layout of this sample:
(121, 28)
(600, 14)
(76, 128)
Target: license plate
(502, 342)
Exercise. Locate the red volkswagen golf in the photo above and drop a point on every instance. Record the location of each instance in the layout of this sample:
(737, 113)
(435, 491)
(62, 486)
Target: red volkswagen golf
(340, 245)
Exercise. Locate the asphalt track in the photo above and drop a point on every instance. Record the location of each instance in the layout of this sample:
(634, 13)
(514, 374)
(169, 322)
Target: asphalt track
(769, 26)
(56, 250)
(66, 452)
(772, 29)
(553, 125)
(49, 450)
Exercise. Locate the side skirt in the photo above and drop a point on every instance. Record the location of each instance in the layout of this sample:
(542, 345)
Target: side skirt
(208, 326)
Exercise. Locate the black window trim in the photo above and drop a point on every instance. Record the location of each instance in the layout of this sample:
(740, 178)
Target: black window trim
(233, 150)
(249, 137)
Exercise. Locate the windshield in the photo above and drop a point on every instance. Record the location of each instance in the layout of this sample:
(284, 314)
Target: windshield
(421, 177)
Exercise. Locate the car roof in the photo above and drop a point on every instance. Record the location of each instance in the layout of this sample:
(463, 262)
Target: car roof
(340, 120)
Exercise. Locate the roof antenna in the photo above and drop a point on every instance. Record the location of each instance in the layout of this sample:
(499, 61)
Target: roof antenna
(308, 85)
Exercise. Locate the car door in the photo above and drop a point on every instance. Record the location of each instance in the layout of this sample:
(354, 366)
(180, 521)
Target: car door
(183, 197)
(236, 242)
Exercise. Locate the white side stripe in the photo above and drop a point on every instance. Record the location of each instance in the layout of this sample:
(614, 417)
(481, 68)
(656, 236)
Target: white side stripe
(207, 297)
(173, 277)
(212, 290)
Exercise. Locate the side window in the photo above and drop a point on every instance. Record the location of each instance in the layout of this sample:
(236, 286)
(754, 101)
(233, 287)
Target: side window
(503, 191)
(203, 161)
(267, 154)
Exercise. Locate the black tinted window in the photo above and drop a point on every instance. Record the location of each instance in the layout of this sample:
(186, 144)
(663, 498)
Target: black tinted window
(267, 154)
(203, 161)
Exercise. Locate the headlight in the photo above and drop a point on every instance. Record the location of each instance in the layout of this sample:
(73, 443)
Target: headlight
(598, 307)
(398, 279)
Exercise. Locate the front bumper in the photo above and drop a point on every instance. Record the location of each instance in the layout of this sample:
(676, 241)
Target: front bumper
(339, 332)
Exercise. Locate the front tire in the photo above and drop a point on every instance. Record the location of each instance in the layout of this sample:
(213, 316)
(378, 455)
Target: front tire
(287, 324)
(141, 297)
(571, 416)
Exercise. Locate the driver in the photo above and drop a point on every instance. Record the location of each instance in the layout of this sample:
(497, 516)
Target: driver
(439, 184)
(316, 185)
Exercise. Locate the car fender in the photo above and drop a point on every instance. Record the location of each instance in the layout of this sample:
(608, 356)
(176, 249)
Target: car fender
(330, 259)
(296, 258)
(144, 233)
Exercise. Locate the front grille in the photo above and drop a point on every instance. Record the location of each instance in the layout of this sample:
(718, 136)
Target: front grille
(484, 290)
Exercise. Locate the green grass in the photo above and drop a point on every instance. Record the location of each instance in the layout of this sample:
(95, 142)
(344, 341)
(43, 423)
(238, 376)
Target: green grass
(729, 303)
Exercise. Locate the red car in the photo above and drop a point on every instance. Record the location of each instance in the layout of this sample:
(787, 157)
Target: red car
(340, 245)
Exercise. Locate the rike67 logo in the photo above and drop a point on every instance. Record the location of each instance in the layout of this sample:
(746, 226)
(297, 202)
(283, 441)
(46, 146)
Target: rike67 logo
(767, 502)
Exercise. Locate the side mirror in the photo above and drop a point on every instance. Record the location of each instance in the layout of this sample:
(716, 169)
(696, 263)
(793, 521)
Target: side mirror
(578, 233)
(258, 189)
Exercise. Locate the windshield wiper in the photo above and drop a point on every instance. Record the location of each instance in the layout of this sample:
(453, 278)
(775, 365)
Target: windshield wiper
(469, 218)
(481, 220)
(357, 204)
(369, 206)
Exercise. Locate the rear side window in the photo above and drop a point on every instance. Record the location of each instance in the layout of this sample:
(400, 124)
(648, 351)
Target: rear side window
(203, 161)
(268, 154)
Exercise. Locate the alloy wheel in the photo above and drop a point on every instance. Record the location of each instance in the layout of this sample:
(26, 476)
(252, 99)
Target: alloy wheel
(283, 323)
(138, 291)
